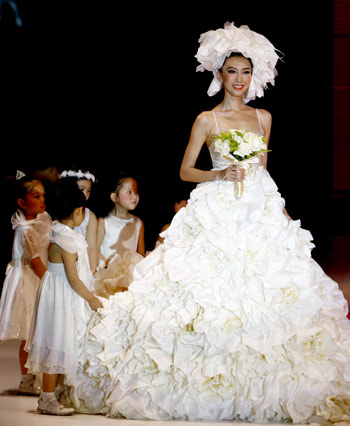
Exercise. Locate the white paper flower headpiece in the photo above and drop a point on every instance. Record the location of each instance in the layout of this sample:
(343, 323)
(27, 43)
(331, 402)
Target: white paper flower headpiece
(216, 46)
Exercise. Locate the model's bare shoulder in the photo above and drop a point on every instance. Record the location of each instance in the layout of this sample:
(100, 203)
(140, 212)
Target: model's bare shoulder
(265, 116)
(204, 122)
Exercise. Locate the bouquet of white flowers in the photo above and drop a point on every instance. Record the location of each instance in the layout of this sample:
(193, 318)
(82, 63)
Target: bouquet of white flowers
(241, 148)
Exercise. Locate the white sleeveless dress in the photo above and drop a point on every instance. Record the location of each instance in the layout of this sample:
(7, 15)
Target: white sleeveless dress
(61, 316)
(229, 319)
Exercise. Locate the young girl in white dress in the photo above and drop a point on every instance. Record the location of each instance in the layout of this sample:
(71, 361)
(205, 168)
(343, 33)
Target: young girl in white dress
(88, 227)
(29, 261)
(120, 239)
(64, 301)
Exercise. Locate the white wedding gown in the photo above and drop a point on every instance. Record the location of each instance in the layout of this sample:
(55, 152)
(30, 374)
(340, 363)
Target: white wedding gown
(229, 318)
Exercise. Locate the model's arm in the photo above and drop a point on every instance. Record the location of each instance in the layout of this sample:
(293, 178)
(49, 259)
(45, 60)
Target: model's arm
(188, 171)
(199, 134)
(266, 122)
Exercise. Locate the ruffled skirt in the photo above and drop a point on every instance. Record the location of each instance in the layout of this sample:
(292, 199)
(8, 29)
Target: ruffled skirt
(229, 319)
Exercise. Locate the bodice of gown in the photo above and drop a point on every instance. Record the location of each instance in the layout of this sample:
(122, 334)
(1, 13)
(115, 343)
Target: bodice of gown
(220, 163)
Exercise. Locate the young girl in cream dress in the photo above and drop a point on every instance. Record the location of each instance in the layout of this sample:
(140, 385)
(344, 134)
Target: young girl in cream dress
(120, 239)
(29, 261)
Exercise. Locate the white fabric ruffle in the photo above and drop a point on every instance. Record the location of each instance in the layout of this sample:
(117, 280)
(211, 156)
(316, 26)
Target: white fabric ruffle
(229, 318)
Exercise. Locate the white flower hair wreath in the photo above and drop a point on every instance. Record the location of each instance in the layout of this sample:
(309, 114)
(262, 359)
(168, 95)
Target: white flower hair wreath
(216, 46)
(77, 174)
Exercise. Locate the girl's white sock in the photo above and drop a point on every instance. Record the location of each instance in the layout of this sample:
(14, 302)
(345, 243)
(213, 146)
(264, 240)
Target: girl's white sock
(47, 395)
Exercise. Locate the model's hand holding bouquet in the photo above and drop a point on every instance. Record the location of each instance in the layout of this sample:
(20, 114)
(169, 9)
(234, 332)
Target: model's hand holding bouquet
(242, 149)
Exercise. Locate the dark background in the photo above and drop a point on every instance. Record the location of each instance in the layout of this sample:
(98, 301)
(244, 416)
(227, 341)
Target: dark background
(110, 88)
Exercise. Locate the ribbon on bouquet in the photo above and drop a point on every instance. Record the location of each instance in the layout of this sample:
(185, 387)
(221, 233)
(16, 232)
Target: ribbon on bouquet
(247, 166)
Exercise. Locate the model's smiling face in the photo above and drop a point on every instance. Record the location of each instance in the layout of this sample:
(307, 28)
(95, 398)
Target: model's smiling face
(236, 75)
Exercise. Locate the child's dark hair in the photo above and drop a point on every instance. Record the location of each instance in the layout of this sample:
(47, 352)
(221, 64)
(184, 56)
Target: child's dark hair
(64, 198)
(120, 179)
(22, 186)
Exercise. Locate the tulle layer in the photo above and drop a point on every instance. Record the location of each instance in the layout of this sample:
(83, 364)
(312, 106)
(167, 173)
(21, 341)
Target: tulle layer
(230, 318)
(17, 302)
(119, 274)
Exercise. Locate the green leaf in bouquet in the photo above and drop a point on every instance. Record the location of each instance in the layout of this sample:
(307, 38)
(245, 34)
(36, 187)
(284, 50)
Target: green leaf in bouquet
(238, 133)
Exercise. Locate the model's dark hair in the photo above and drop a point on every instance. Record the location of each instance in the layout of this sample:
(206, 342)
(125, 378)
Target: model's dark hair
(64, 197)
(240, 55)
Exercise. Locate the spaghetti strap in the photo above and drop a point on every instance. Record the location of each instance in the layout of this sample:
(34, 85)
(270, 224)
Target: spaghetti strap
(216, 122)
(257, 113)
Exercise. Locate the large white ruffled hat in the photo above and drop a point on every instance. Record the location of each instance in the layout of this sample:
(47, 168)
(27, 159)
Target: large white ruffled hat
(216, 46)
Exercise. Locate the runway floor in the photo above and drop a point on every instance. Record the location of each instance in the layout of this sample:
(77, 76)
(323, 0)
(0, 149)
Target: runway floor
(18, 410)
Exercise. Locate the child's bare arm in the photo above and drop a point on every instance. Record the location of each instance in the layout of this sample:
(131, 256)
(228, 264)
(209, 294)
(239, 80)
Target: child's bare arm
(69, 261)
(100, 236)
(38, 266)
(91, 238)
(141, 243)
